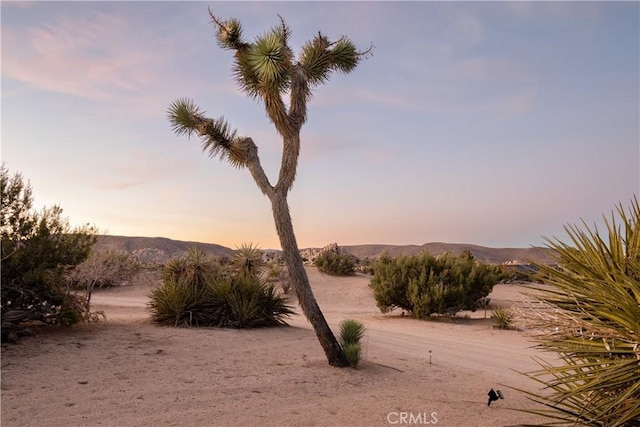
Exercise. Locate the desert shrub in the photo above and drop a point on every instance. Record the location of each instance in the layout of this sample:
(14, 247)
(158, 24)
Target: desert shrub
(365, 266)
(197, 292)
(504, 317)
(237, 302)
(194, 268)
(426, 285)
(278, 275)
(336, 262)
(177, 303)
(351, 334)
(103, 269)
(520, 274)
(248, 261)
(38, 250)
(256, 304)
(590, 318)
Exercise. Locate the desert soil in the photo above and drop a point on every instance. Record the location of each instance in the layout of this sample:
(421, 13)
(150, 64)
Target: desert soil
(129, 372)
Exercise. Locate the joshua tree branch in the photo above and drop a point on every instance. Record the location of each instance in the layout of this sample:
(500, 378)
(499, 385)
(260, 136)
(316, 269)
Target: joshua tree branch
(299, 96)
(254, 166)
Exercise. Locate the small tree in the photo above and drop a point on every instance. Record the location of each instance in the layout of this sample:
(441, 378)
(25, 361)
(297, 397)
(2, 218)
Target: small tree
(103, 269)
(38, 250)
(268, 70)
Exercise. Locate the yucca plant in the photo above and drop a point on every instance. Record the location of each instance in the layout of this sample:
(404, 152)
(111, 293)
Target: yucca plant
(177, 303)
(195, 268)
(504, 317)
(592, 321)
(353, 352)
(202, 297)
(351, 333)
(248, 261)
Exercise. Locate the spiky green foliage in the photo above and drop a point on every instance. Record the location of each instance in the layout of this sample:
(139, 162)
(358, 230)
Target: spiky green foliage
(351, 334)
(504, 317)
(195, 269)
(229, 33)
(218, 138)
(248, 261)
(353, 353)
(593, 324)
(320, 58)
(266, 69)
(197, 292)
(177, 303)
(351, 331)
(426, 285)
(269, 58)
(256, 304)
(236, 302)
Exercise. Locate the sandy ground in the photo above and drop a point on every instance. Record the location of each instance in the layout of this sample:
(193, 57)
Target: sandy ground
(128, 372)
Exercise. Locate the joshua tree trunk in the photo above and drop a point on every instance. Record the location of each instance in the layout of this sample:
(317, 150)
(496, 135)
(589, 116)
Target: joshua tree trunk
(300, 280)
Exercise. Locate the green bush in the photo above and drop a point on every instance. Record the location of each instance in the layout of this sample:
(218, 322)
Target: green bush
(39, 249)
(426, 285)
(196, 292)
(351, 333)
(336, 263)
(590, 318)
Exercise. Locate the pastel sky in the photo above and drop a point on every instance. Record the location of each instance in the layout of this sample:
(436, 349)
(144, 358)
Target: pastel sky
(492, 123)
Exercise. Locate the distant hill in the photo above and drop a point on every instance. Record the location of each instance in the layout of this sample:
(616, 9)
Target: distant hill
(157, 249)
(482, 253)
(161, 249)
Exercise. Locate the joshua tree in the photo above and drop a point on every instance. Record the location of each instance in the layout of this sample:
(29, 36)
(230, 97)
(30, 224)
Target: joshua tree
(267, 70)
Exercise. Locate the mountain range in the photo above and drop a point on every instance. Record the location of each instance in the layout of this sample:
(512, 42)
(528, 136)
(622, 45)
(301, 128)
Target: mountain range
(161, 249)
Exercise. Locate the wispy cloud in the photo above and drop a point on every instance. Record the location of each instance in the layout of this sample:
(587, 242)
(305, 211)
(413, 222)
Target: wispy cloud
(75, 57)
(111, 58)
